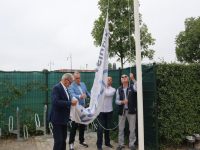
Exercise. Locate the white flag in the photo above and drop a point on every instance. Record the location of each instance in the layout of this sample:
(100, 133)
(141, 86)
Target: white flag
(82, 115)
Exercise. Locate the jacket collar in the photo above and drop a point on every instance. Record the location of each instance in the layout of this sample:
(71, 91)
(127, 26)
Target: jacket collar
(63, 90)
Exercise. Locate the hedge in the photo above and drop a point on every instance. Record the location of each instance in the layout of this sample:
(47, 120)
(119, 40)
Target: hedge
(178, 96)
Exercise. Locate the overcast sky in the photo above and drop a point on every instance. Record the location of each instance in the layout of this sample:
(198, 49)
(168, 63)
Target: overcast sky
(33, 33)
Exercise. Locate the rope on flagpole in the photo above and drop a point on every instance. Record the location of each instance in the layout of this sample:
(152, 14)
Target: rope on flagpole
(129, 66)
(129, 37)
(97, 118)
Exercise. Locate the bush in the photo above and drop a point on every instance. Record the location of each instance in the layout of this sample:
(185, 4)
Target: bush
(178, 93)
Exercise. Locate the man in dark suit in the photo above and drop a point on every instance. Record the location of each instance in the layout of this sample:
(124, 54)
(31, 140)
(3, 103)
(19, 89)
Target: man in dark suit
(60, 111)
(78, 90)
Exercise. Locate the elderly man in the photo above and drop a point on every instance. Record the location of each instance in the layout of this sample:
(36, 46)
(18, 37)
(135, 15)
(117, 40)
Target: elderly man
(126, 98)
(105, 116)
(60, 111)
(80, 92)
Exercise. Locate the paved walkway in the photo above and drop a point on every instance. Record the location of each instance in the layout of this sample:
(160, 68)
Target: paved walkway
(39, 143)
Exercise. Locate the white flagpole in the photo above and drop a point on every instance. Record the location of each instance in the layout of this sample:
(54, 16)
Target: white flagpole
(139, 77)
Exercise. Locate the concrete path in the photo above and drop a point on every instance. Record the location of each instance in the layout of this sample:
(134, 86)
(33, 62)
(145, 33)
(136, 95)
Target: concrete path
(39, 143)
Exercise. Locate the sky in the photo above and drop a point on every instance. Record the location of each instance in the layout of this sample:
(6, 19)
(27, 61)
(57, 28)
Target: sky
(35, 33)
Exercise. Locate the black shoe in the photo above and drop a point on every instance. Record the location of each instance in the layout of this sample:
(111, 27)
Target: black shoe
(120, 147)
(132, 148)
(83, 144)
(110, 146)
(99, 148)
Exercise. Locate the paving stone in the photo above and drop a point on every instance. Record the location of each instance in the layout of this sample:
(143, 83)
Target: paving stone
(39, 143)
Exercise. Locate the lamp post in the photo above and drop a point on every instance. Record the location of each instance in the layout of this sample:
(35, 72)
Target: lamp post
(70, 59)
(86, 66)
(49, 64)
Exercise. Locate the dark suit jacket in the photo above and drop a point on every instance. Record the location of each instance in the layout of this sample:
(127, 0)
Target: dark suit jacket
(60, 106)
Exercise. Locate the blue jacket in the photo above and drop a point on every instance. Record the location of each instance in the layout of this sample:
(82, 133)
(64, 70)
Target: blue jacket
(75, 92)
(60, 106)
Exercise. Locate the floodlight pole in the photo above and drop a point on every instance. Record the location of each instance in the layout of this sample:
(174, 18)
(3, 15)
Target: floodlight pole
(70, 59)
(139, 77)
(51, 63)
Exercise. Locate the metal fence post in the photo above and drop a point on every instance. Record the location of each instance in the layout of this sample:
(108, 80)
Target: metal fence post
(156, 105)
(46, 95)
(18, 127)
(0, 135)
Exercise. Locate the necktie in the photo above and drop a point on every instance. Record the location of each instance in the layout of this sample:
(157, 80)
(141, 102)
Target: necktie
(68, 94)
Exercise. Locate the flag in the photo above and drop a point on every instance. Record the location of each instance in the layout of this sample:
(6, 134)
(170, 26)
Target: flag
(82, 115)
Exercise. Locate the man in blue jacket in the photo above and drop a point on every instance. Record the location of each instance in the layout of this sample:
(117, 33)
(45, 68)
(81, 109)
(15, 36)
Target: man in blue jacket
(60, 111)
(78, 90)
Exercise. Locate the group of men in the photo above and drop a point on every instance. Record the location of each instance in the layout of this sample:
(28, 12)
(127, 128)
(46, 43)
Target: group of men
(62, 94)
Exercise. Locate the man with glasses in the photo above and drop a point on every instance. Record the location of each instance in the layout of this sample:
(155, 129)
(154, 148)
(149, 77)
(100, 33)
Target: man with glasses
(80, 92)
(126, 98)
(60, 111)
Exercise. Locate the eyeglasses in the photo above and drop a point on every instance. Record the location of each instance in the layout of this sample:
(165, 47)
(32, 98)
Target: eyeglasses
(124, 76)
(70, 81)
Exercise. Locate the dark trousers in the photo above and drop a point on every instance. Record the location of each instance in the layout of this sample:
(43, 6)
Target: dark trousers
(105, 121)
(60, 136)
(73, 132)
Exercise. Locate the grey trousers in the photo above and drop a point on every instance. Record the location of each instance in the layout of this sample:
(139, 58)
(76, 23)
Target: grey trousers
(131, 119)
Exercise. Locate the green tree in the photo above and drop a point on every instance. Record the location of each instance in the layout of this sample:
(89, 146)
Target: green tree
(188, 41)
(110, 66)
(44, 70)
(119, 43)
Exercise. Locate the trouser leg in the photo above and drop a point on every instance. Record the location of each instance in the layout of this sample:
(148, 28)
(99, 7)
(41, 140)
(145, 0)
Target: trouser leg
(81, 132)
(132, 138)
(73, 132)
(101, 120)
(122, 120)
(58, 137)
(64, 131)
(108, 118)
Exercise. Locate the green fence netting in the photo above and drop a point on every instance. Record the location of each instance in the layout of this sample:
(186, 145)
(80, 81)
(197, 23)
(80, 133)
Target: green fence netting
(30, 91)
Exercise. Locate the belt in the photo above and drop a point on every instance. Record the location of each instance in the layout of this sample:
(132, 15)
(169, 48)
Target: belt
(126, 109)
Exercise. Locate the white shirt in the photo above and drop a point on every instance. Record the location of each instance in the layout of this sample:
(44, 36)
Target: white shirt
(65, 89)
(108, 99)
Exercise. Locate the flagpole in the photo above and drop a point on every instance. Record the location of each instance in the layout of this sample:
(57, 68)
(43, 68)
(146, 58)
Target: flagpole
(139, 77)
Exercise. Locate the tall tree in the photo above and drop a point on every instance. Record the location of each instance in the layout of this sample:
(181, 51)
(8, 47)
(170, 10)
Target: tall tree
(188, 42)
(119, 43)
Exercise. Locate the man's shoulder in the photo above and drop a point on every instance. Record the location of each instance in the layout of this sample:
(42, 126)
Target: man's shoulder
(82, 83)
(58, 85)
(71, 86)
(112, 88)
(120, 87)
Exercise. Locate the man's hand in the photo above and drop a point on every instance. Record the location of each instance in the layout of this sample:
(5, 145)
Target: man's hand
(83, 96)
(74, 102)
(124, 101)
(132, 77)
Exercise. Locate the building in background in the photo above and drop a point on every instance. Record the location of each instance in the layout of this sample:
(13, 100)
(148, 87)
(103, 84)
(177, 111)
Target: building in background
(73, 70)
